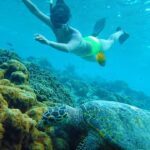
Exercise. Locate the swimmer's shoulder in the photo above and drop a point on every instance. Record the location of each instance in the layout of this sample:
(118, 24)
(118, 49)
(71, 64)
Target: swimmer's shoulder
(75, 32)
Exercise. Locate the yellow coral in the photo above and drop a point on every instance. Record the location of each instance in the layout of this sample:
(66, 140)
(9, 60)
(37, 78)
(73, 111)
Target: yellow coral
(19, 120)
(25, 87)
(20, 129)
(3, 103)
(19, 77)
(6, 82)
(37, 146)
(15, 65)
(2, 72)
(37, 112)
(18, 98)
(41, 137)
(17, 130)
(15, 71)
(2, 130)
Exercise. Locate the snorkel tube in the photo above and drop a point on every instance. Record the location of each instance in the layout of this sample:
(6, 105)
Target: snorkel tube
(51, 5)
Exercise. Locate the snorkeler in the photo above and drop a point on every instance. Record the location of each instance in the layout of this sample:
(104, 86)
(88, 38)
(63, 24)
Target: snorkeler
(70, 39)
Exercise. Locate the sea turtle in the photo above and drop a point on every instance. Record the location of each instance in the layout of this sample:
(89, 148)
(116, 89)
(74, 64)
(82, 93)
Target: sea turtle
(109, 125)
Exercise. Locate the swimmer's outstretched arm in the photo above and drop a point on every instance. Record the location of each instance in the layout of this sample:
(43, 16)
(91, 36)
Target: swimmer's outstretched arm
(59, 46)
(37, 12)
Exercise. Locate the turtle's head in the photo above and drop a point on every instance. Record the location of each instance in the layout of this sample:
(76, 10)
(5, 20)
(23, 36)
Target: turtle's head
(56, 116)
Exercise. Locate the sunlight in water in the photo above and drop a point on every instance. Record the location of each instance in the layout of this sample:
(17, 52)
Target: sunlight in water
(129, 2)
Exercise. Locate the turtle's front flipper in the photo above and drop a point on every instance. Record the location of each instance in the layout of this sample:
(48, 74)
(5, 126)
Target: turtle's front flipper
(90, 142)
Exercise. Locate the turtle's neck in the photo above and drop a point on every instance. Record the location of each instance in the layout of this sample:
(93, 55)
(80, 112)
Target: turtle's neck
(76, 118)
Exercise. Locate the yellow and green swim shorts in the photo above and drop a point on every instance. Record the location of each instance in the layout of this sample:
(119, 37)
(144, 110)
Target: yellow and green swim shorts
(96, 49)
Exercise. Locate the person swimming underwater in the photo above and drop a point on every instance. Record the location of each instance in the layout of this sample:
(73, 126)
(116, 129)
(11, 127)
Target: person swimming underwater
(69, 39)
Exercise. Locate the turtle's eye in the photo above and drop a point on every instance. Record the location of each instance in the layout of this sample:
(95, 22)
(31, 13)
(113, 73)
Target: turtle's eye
(51, 119)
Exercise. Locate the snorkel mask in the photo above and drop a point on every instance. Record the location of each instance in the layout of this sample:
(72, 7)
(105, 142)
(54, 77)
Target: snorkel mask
(60, 14)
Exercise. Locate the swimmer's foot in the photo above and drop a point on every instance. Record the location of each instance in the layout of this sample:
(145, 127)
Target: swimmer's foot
(99, 26)
(123, 37)
(118, 29)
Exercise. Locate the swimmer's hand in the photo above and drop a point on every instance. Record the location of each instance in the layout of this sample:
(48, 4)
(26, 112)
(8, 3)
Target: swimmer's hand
(42, 39)
(59, 46)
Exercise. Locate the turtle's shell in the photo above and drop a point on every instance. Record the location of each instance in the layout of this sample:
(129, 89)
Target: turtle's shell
(119, 123)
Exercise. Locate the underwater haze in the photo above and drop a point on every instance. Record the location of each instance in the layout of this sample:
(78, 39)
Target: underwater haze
(129, 62)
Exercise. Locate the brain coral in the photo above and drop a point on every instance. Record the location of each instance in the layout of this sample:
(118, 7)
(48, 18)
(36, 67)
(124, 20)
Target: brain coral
(14, 71)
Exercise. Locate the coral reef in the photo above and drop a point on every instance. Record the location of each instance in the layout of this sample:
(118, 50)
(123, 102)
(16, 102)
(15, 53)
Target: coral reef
(11, 84)
(15, 71)
(17, 98)
(28, 88)
(88, 89)
(56, 85)
(46, 85)
(18, 130)
(6, 55)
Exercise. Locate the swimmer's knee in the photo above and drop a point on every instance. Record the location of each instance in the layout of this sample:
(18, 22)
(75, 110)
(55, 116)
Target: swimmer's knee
(107, 44)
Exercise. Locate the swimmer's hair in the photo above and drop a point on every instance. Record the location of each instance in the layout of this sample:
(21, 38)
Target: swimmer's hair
(60, 13)
(59, 1)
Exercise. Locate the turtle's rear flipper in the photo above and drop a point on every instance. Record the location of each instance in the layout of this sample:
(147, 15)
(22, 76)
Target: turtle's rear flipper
(123, 37)
(99, 26)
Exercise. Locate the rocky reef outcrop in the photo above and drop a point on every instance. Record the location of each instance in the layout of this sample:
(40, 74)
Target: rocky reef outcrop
(18, 130)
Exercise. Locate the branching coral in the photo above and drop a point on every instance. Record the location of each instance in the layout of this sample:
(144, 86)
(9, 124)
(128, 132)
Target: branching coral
(47, 86)
(6, 55)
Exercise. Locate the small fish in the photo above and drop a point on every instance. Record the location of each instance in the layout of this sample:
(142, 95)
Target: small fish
(9, 44)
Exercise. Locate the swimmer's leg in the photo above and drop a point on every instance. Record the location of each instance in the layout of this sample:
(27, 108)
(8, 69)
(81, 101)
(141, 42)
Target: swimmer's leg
(119, 35)
(115, 36)
(106, 44)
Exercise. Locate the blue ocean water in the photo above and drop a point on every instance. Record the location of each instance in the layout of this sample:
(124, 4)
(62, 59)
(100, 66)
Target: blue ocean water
(129, 62)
